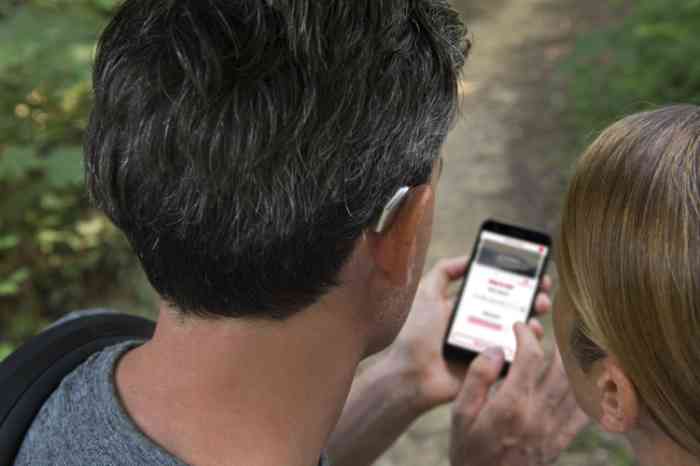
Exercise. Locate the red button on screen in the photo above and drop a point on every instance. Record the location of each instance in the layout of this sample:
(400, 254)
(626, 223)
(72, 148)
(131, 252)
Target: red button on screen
(484, 323)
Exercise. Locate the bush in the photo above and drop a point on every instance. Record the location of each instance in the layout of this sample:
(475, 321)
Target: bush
(646, 59)
(56, 253)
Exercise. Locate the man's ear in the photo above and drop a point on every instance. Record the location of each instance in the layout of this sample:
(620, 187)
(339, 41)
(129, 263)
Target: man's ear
(394, 250)
(619, 402)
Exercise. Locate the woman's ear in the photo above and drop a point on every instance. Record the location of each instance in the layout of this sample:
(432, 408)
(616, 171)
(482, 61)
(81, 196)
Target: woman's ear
(619, 402)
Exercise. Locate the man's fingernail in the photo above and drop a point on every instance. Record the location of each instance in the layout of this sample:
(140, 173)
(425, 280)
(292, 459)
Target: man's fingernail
(494, 353)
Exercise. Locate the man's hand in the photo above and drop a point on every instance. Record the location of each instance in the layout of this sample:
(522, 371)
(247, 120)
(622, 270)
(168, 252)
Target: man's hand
(412, 377)
(529, 420)
(418, 347)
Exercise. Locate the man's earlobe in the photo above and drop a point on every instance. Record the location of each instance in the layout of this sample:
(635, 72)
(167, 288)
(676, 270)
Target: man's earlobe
(619, 405)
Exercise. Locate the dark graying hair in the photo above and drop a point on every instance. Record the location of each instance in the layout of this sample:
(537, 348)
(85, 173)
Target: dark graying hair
(243, 146)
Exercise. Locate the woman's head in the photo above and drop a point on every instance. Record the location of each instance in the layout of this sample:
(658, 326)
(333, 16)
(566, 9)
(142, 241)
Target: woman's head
(628, 313)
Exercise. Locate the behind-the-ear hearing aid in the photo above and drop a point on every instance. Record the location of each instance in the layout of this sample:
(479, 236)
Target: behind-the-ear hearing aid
(391, 209)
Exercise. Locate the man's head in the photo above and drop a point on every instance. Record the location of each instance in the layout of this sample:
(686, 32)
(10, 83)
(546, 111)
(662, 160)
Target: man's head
(244, 147)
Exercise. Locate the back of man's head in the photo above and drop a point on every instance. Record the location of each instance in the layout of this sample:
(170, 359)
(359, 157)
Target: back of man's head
(243, 146)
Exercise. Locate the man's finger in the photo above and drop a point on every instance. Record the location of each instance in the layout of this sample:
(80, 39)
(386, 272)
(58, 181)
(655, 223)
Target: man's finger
(554, 387)
(443, 273)
(528, 362)
(578, 421)
(546, 284)
(566, 409)
(572, 420)
(537, 328)
(482, 374)
(543, 303)
(455, 267)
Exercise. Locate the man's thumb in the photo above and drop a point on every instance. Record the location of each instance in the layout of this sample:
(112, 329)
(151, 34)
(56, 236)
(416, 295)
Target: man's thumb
(482, 374)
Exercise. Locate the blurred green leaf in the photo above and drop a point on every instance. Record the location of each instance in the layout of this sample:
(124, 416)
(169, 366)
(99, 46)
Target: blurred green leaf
(11, 285)
(646, 59)
(64, 167)
(8, 241)
(5, 350)
(74, 257)
(16, 161)
(107, 5)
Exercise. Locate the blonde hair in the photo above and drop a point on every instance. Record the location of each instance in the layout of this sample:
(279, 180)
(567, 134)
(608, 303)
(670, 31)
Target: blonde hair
(629, 260)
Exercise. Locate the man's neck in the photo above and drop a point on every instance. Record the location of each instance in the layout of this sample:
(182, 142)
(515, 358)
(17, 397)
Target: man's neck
(235, 391)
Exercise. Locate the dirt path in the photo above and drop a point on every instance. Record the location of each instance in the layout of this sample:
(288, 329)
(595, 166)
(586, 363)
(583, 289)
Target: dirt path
(503, 160)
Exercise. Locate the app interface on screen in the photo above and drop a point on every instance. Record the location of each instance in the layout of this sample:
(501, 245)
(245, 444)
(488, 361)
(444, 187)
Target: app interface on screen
(501, 284)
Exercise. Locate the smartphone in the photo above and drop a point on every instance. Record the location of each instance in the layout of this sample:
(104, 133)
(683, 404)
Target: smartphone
(499, 289)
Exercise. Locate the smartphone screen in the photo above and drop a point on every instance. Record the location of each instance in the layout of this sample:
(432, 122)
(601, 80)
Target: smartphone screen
(499, 289)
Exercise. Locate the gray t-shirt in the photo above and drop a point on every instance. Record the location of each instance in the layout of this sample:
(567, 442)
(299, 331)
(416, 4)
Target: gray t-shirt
(84, 423)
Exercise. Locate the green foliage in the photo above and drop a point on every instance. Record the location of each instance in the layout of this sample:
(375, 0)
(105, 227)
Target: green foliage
(646, 59)
(56, 253)
(593, 439)
(5, 350)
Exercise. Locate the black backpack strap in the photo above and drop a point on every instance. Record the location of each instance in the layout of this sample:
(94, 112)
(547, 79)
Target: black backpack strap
(32, 373)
